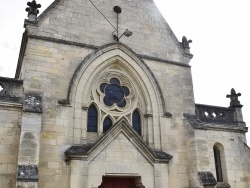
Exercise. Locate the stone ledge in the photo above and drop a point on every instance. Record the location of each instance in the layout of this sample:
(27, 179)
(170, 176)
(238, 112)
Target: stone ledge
(195, 121)
(11, 80)
(11, 99)
(222, 185)
(162, 155)
(10, 104)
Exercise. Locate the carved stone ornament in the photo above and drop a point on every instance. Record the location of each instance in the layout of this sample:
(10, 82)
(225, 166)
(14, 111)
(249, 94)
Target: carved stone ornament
(33, 8)
(207, 178)
(27, 173)
(195, 121)
(167, 115)
(234, 99)
(32, 103)
(185, 43)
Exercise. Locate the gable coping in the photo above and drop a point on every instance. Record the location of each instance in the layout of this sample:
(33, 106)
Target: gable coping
(86, 150)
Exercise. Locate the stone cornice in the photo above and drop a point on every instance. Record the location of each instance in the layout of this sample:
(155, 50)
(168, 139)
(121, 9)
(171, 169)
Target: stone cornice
(11, 80)
(11, 105)
(66, 42)
(163, 60)
(26, 36)
(226, 128)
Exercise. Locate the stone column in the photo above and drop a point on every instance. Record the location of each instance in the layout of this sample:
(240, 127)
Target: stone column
(150, 129)
(28, 157)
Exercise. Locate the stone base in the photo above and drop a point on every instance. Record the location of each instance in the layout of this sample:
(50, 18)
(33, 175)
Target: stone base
(27, 185)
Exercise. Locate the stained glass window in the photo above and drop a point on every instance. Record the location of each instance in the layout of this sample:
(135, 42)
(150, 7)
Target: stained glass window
(107, 124)
(92, 119)
(136, 122)
(114, 93)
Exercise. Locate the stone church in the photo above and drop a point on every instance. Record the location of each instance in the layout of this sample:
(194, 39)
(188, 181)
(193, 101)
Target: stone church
(103, 98)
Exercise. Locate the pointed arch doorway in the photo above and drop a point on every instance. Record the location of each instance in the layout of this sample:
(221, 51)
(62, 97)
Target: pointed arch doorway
(120, 182)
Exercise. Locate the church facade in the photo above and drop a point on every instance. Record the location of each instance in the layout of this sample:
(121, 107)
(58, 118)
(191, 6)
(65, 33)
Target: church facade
(103, 98)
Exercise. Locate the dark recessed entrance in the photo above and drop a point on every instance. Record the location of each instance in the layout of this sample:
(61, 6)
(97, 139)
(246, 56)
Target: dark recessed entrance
(117, 182)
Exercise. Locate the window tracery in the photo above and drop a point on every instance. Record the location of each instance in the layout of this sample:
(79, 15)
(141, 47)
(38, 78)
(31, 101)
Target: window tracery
(92, 119)
(107, 123)
(117, 94)
(114, 93)
(136, 122)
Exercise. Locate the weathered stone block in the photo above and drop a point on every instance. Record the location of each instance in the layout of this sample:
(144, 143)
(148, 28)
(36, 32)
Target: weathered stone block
(32, 103)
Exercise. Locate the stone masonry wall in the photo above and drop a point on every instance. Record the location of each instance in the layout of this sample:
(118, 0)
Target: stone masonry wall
(234, 150)
(48, 71)
(79, 21)
(9, 144)
(233, 155)
(48, 67)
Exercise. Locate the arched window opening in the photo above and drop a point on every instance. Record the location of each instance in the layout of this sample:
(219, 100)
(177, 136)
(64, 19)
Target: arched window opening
(136, 122)
(218, 166)
(92, 119)
(107, 123)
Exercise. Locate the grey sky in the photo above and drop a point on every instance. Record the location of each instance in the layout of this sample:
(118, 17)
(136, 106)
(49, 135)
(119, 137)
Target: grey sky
(219, 30)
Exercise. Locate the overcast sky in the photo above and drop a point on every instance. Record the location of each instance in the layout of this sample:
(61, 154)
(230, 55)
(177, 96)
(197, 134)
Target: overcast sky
(220, 30)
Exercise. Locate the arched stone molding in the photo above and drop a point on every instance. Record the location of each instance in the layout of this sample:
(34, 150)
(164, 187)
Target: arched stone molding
(123, 49)
(118, 61)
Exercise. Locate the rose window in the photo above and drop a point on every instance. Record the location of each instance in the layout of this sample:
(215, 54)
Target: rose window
(114, 93)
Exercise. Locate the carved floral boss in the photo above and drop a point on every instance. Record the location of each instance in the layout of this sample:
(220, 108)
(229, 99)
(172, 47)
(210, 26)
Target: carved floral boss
(114, 93)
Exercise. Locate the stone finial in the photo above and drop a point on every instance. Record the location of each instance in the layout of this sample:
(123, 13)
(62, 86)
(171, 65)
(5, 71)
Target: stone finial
(185, 43)
(33, 10)
(235, 103)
